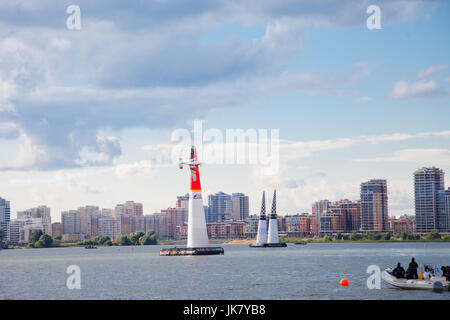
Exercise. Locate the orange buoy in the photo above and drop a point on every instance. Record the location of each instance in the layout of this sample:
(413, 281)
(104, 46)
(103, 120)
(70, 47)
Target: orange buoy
(344, 282)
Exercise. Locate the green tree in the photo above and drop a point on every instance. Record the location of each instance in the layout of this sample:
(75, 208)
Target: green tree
(44, 241)
(413, 236)
(148, 240)
(356, 236)
(101, 240)
(377, 236)
(134, 237)
(434, 235)
(345, 237)
(338, 236)
(123, 240)
(35, 236)
(387, 236)
(368, 236)
(404, 235)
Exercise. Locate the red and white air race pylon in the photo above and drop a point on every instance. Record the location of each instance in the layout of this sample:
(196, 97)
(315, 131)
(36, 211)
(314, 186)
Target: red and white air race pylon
(197, 233)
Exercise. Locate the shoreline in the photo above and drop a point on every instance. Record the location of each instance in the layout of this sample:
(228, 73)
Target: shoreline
(245, 241)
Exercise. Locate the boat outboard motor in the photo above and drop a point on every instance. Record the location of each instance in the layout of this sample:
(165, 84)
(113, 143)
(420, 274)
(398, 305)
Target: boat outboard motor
(437, 286)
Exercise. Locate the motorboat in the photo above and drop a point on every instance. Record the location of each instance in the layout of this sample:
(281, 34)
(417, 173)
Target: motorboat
(432, 282)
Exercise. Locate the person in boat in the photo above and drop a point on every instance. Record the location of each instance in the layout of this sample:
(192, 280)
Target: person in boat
(399, 272)
(446, 272)
(411, 273)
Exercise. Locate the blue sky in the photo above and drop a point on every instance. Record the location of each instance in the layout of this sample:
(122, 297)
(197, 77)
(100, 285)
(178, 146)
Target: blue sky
(82, 110)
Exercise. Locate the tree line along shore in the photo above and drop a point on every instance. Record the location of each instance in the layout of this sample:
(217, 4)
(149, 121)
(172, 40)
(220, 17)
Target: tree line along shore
(433, 236)
(38, 239)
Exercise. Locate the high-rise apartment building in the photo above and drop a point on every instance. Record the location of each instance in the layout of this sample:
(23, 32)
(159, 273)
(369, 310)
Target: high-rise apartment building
(177, 217)
(41, 215)
(374, 205)
(21, 229)
(85, 216)
(183, 201)
(109, 226)
(333, 217)
(432, 212)
(240, 209)
(130, 208)
(70, 222)
(319, 208)
(56, 229)
(220, 207)
(351, 212)
(5, 215)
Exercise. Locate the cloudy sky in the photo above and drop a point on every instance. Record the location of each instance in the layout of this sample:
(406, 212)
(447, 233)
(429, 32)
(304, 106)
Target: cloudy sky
(86, 115)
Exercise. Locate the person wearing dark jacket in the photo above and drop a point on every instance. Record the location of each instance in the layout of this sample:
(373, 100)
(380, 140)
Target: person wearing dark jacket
(399, 272)
(446, 272)
(411, 273)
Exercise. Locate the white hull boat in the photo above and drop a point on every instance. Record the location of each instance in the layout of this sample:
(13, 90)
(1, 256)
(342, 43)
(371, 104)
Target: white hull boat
(428, 284)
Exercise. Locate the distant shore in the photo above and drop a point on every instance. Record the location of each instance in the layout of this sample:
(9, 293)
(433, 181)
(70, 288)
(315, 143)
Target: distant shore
(250, 241)
(321, 240)
(238, 241)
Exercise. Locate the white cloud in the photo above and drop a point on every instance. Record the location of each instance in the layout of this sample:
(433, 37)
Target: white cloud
(9, 130)
(405, 136)
(141, 168)
(303, 149)
(431, 70)
(425, 156)
(71, 86)
(403, 89)
(103, 153)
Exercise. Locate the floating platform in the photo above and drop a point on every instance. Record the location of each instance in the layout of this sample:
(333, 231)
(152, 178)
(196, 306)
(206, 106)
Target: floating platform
(301, 243)
(205, 251)
(268, 245)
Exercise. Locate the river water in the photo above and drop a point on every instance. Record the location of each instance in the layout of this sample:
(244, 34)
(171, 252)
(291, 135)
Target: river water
(310, 271)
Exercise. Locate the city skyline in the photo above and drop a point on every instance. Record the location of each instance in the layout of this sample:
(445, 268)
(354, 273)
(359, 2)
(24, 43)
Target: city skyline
(222, 206)
(228, 216)
(83, 118)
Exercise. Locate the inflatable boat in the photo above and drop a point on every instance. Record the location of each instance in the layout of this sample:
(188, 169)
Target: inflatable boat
(433, 283)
